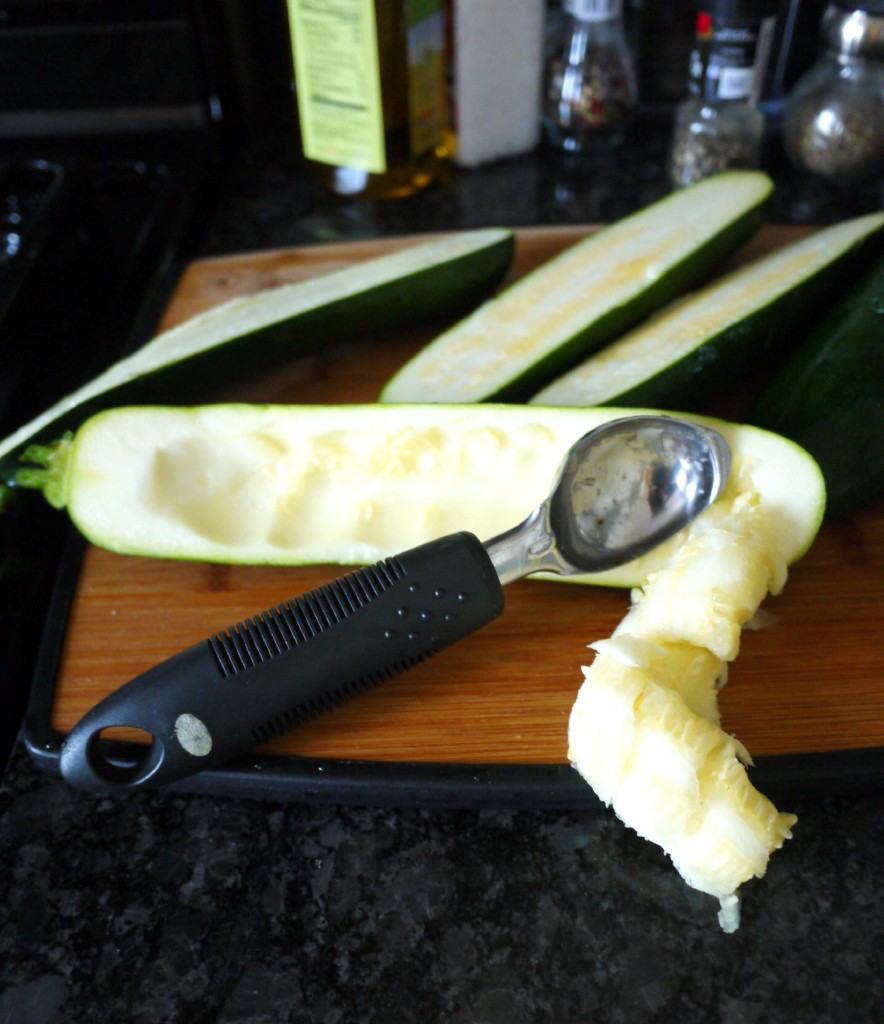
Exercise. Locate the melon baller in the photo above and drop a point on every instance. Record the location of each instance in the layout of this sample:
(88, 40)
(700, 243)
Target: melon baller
(621, 490)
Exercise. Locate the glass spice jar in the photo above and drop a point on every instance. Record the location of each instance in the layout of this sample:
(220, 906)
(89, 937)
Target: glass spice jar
(708, 138)
(833, 124)
(590, 87)
(720, 126)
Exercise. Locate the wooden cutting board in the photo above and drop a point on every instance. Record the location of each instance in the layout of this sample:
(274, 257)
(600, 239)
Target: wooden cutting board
(811, 683)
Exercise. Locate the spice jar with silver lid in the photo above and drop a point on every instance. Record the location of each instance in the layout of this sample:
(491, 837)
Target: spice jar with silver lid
(720, 125)
(590, 88)
(833, 124)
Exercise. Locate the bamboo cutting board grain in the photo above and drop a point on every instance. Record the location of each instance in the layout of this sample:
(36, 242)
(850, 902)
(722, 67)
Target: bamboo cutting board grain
(813, 682)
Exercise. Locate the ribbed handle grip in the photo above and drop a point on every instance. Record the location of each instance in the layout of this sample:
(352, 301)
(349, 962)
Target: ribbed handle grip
(264, 676)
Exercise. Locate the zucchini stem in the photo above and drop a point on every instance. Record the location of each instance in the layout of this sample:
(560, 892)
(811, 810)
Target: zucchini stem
(47, 471)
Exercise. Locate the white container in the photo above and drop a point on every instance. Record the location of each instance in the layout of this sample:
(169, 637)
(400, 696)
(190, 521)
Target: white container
(497, 72)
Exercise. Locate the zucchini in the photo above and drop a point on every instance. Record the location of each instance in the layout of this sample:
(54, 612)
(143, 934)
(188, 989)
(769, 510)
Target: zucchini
(545, 322)
(264, 484)
(682, 357)
(827, 396)
(249, 333)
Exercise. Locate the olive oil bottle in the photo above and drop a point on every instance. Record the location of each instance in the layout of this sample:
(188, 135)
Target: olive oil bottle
(370, 79)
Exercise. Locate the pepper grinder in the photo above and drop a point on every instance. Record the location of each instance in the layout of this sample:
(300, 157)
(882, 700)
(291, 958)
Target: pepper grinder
(833, 124)
(590, 88)
(720, 125)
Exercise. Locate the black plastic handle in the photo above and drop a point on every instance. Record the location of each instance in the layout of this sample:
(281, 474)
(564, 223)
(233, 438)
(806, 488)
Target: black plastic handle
(230, 693)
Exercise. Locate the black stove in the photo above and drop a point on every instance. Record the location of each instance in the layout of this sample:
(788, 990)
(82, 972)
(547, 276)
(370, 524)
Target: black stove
(113, 127)
(82, 248)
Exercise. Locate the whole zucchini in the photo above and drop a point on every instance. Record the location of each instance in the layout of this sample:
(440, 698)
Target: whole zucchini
(827, 397)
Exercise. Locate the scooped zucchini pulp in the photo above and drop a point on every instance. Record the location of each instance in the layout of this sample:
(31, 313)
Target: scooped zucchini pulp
(644, 730)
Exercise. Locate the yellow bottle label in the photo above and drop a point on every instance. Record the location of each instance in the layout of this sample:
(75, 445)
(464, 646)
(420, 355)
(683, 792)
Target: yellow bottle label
(337, 76)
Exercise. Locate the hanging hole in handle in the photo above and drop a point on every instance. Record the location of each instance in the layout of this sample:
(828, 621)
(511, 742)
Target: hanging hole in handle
(124, 762)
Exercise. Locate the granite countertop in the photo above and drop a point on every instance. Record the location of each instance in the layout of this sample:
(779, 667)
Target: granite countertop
(274, 203)
(164, 907)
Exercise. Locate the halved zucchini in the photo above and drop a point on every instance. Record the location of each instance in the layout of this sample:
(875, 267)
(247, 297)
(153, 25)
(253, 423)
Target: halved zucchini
(352, 484)
(413, 285)
(552, 317)
(687, 353)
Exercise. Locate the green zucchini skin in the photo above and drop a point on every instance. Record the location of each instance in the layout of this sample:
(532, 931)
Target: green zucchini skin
(432, 289)
(827, 397)
(747, 349)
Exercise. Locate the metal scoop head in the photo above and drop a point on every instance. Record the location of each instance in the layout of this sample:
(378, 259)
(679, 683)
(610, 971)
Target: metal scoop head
(621, 490)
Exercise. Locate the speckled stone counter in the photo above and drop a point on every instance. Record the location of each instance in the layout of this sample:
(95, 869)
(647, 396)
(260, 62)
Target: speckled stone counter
(164, 908)
(275, 203)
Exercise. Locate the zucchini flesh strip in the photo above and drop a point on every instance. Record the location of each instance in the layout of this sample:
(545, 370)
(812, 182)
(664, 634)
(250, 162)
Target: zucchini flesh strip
(706, 339)
(253, 332)
(353, 484)
(575, 302)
